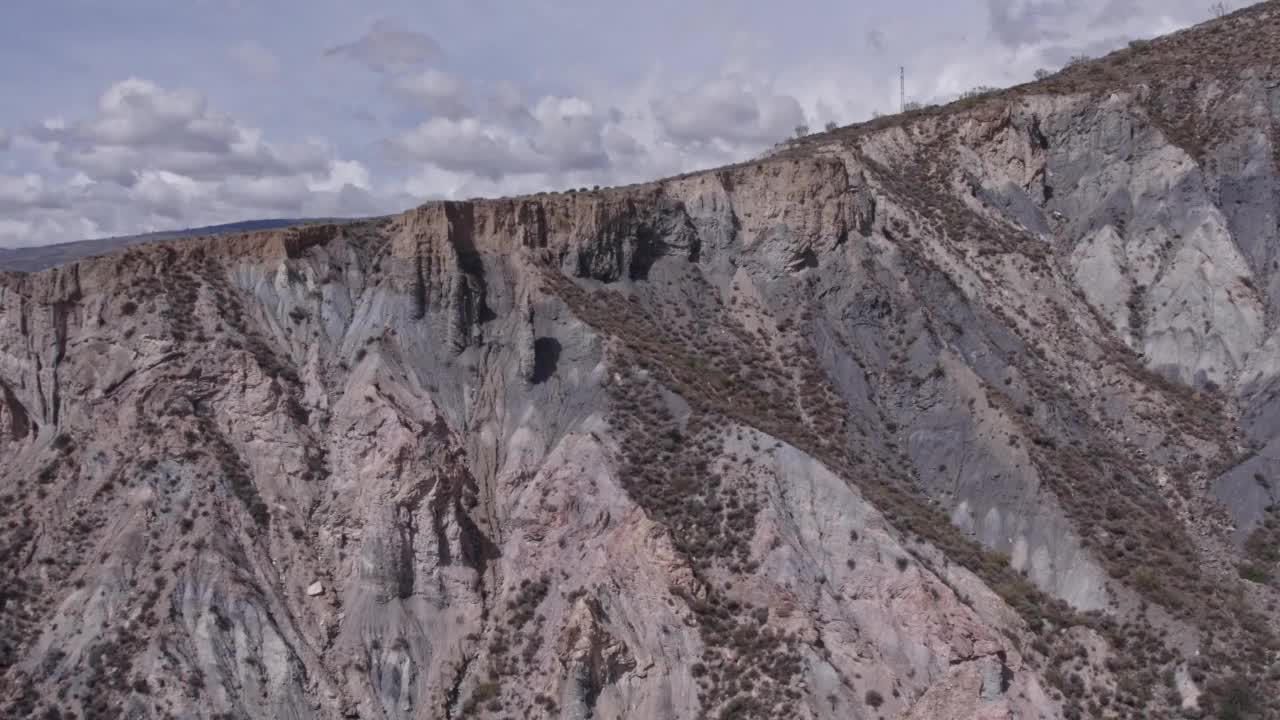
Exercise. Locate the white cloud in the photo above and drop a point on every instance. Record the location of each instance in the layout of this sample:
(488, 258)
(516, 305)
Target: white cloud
(272, 194)
(22, 232)
(26, 191)
(1057, 29)
(435, 91)
(148, 157)
(729, 110)
(342, 173)
(566, 135)
(165, 194)
(142, 127)
(569, 134)
(152, 158)
(136, 112)
(255, 61)
(1016, 22)
(467, 145)
(620, 144)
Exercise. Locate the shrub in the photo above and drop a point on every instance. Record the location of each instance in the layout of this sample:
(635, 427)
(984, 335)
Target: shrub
(1255, 573)
(1234, 699)
(873, 699)
(975, 92)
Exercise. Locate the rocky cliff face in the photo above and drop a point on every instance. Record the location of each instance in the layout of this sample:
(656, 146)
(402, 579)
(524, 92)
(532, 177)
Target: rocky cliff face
(966, 414)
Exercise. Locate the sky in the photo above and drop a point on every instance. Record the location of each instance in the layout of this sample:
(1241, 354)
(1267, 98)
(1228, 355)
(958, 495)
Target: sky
(128, 116)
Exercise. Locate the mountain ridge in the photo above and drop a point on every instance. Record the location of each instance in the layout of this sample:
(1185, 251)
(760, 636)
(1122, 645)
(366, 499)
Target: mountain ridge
(966, 418)
(1142, 61)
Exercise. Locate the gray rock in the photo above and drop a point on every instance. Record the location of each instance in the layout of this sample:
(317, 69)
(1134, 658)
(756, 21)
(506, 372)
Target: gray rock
(929, 419)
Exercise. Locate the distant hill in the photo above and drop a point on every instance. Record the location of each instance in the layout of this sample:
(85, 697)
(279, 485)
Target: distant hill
(31, 259)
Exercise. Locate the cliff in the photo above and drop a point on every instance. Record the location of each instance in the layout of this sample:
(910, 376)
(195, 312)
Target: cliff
(967, 413)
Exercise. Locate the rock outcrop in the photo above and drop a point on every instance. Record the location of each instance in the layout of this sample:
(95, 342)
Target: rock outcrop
(965, 413)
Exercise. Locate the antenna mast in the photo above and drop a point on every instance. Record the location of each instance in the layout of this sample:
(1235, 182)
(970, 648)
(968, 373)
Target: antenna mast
(902, 88)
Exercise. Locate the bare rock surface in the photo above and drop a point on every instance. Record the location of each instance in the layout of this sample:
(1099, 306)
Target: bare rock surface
(966, 413)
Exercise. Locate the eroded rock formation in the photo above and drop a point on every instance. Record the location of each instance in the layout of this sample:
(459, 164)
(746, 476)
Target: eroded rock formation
(967, 413)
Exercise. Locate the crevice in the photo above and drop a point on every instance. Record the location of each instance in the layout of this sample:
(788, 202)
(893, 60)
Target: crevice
(476, 547)
(405, 573)
(546, 356)
(648, 249)
(452, 695)
(420, 288)
(806, 259)
(1006, 673)
(1036, 133)
(20, 420)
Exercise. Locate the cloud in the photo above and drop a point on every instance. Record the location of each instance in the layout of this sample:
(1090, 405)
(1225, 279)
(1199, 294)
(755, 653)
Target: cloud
(1102, 25)
(287, 194)
(151, 158)
(35, 212)
(875, 41)
(728, 110)
(255, 61)
(136, 112)
(468, 145)
(343, 173)
(6, 139)
(1023, 22)
(570, 134)
(435, 91)
(23, 192)
(558, 135)
(508, 100)
(409, 63)
(1117, 11)
(165, 194)
(620, 144)
(140, 126)
(387, 48)
(414, 124)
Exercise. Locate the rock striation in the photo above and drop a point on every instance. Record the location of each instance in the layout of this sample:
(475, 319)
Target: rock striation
(964, 413)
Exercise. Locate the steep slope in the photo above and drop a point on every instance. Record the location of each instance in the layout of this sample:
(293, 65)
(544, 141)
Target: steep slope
(963, 415)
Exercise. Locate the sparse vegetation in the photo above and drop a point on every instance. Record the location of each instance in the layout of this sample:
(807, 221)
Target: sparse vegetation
(689, 387)
(977, 91)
